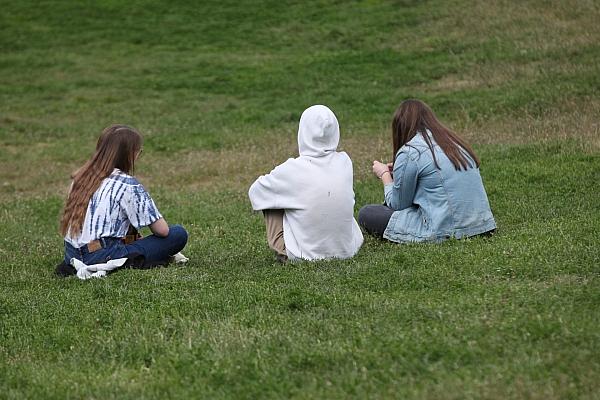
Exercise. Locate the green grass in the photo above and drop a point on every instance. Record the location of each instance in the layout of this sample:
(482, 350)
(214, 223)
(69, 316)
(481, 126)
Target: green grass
(217, 89)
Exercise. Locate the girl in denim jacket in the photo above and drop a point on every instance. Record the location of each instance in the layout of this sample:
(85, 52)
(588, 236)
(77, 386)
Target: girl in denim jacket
(433, 190)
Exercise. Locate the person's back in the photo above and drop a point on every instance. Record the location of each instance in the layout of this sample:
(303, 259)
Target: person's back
(119, 201)
(325, 183)
(315, 193)
(453, 202)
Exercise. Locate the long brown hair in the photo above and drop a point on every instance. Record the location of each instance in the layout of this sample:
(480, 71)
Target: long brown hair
(414, 116)
(117, 147)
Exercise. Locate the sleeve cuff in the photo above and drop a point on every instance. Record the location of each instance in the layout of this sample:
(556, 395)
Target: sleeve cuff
(387, 193)
(149, 221)
(387, 188)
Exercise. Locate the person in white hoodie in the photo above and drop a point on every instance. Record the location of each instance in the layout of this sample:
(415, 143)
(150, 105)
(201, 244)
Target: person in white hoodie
(308, 201)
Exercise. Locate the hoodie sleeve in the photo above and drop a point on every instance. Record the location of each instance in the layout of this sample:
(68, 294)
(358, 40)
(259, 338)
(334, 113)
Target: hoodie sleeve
(269, 192)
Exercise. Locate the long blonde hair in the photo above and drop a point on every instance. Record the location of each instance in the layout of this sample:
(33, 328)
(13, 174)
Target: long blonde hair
(117, 147)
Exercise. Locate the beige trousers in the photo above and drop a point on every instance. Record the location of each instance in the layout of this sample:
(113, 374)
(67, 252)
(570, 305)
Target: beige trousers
(274, 223)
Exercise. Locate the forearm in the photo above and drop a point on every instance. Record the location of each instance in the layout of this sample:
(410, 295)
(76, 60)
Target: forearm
(386, 178)
(160, 227)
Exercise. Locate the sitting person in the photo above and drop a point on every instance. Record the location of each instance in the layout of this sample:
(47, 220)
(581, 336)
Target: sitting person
(105, 202)
(433, 190)
(308, 201)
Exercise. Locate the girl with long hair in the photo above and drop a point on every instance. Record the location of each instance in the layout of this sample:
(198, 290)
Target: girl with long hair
(433, 189)
(105, 202)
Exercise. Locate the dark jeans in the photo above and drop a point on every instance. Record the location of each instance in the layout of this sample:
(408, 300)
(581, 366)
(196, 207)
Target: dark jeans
(156, 250)
(373, 218)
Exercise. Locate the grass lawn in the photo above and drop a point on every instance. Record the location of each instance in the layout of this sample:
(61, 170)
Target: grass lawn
(217, 89)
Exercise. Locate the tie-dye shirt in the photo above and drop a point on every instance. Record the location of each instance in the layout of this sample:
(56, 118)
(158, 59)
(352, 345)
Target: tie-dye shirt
(120, 201)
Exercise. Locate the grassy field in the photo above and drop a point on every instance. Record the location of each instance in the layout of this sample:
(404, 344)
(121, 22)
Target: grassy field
(217, 89)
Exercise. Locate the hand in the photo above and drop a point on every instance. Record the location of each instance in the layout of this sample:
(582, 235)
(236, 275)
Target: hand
(380, 168)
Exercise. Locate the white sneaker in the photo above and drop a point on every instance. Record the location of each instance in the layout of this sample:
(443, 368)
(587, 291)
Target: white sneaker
(180, 259)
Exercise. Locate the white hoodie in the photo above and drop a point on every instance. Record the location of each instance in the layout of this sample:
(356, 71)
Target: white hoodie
(315, 190)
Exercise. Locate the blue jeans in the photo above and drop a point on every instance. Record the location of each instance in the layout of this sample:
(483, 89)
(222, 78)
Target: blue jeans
(154, 249)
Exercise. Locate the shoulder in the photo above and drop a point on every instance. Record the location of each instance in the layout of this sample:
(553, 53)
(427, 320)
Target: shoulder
(342, 155)
(417, 147)
(281, 172)
(418, 142)
(286, 167)
(129, 181)
(123, 178)
(410, 151)
(343, 161)
(130, 185)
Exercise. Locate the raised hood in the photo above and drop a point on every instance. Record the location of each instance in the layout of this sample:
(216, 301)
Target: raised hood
(318, 132)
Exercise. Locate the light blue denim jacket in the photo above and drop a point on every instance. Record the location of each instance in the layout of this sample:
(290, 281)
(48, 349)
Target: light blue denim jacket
(434, 204)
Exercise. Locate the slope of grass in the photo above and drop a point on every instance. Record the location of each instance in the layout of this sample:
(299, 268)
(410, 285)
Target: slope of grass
(217, 89)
